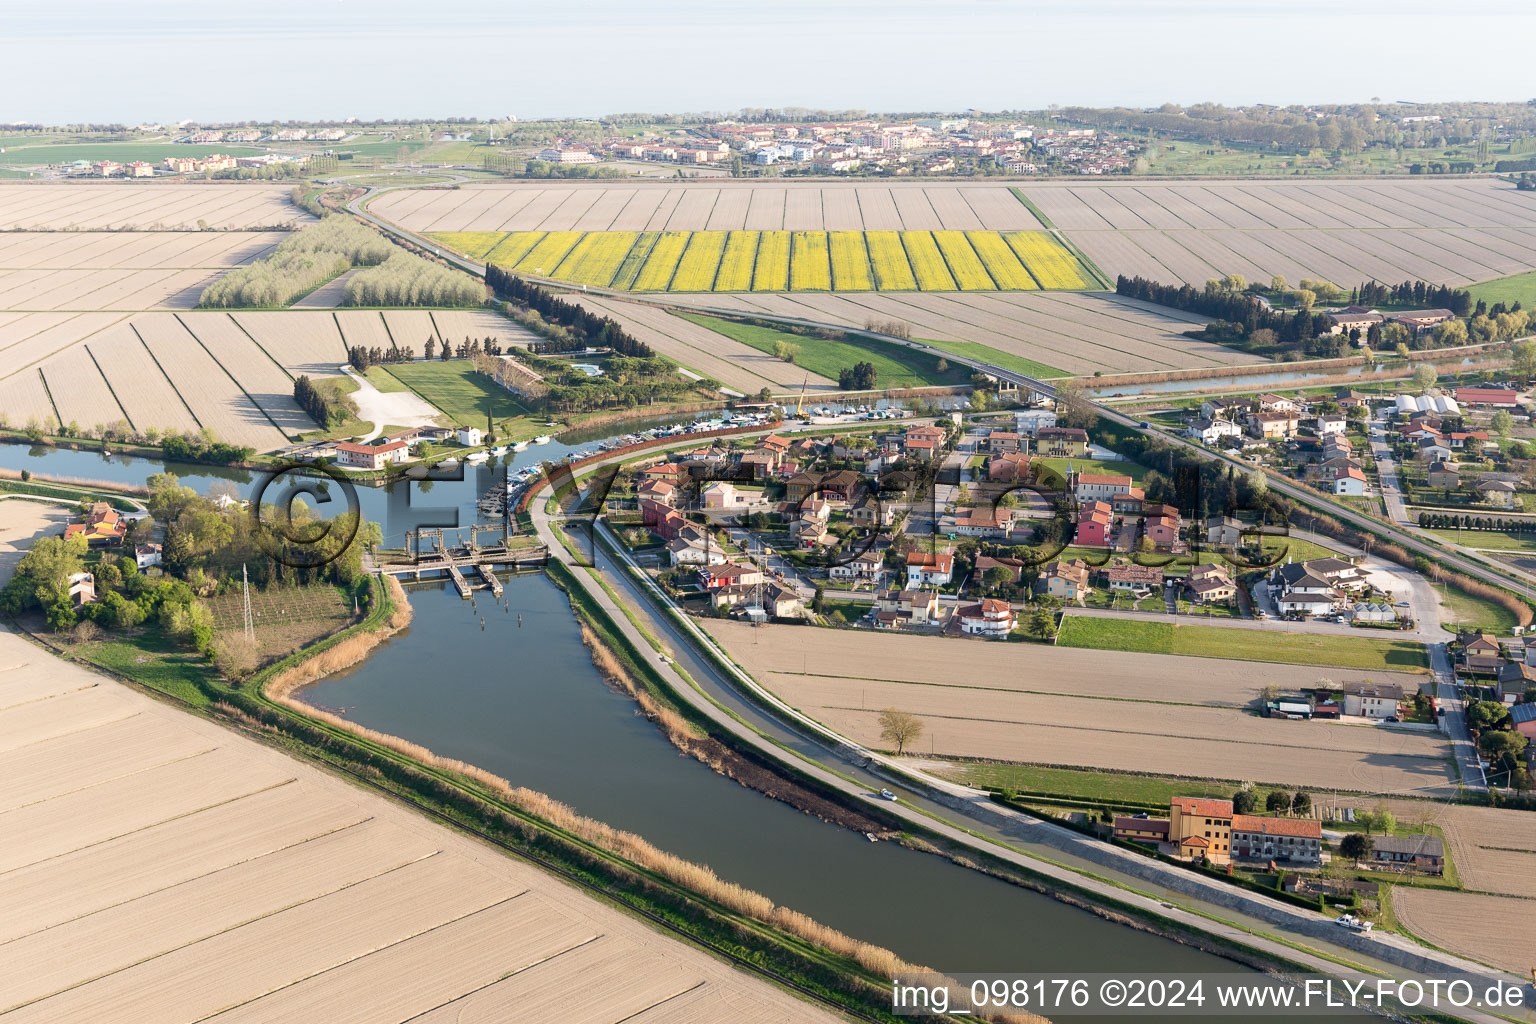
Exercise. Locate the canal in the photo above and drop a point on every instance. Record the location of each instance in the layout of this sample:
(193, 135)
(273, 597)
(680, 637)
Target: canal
(518, 694)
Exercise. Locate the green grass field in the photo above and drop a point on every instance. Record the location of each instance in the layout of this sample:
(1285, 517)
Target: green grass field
(1490, 540)
(461, 394)
(1471, 612)
(1245, 645)
(1134, 470)
(813, 261)
(122, 152)
(1111, 786)
(976, 350)
(895, 365)
(1516, 288)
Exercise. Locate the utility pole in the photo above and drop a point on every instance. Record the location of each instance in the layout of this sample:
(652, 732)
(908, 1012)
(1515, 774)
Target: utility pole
(245, 586)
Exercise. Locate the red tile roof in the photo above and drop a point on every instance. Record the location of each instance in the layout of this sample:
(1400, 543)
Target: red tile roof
(1306, 828)
(1202, 808)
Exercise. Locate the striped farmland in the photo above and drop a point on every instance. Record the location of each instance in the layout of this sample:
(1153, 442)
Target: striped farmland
(786, 261)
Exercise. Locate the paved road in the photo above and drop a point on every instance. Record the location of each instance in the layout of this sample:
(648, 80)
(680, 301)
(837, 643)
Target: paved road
(1386, 470)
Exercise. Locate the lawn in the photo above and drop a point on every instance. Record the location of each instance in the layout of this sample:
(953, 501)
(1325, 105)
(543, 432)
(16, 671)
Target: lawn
(1472, 612)
(1491, 540)
(1134, 470)
(986, 353)
(150, 659)
(122, 152)
(1515, 288)
(1245, 645)
(895, 365)
(461, 394)
(383, 379)
(1151, 790)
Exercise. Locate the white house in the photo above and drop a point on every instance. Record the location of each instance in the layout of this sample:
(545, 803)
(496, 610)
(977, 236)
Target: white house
(865, 567)
(1348, 480)
(686, 551)
(1211, 431)
(989, 618)
(720, 494)
(924, 568)
(1372, 700)
(146, 555)
(1329, 423)
(1029, 421)
(371, 456)
(470, 437)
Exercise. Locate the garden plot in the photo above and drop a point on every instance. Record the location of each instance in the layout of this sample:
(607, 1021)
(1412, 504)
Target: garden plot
(138, 383)
(300, 342)
(80, 393)
(291, 895)
(213, 396)
(1139, 713)
(259, 376)
(113, 205)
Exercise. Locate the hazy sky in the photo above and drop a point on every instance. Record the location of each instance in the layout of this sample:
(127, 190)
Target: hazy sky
(109, 60)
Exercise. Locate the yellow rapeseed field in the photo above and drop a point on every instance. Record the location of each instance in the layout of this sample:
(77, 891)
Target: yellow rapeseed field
(927, 262)
(696, 270)
(513, 247)
(772, 271)
(850, 262)
(1047, 259)
(809, 269)
(783, 261)
(736, 264)
(474, 244)
(544, 257)
(1001, 261)
(635, 259)
(659, 267)
(893, 273)
(963, 262)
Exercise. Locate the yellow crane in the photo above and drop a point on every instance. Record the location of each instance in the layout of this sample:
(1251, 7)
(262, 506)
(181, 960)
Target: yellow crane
(800, 404)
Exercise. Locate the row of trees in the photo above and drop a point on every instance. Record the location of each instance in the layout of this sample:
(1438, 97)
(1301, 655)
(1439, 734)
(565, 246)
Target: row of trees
(1453, 521)
(585, 329)
(1414, 293)
(304, 261)
(405, 279)
(326, 406)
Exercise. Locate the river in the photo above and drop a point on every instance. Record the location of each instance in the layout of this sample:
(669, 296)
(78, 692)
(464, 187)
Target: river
(527, 703)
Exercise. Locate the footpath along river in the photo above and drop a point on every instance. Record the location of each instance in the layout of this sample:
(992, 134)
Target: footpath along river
(525, 701)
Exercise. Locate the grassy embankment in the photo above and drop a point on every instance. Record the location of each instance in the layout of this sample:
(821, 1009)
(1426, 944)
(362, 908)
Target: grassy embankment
(1249, 644)
(896, 366)
(1519, 288)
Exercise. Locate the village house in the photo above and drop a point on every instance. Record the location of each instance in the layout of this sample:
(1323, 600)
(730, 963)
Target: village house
(1031, 421)
(1272, 425)
(692, 546)
(1066, 581)
(1140, 828)
(719, 494)
(1225, 408)
(1353, 318)
(1008, 469)
(994, 524)
(1523, 718)
(1095, 523)
(1061, 442)
(1089, 487)
(1424, 853)
(1130, 502)
(911, 607)
(867, 567)
(1210, 584)
(1348, 480)
(1432, 449)
(759, 464)
(146, 555)
(1330, 423)
(1297, 591)
(1515, 677)
(1200, 829)
(469, 437)
(924, 569)
(1134, 578)
(1478, 653)
(103, 526)
(1420, 320)
(1443, 475)
(1372, 700)
(1001, 442)
(1211, 431)
(1223, 531)
(1270, 402)
(1497, 492)
(1494, 398)
(1162, 527)
(991, 617)
(1283, 840)
(729, 574)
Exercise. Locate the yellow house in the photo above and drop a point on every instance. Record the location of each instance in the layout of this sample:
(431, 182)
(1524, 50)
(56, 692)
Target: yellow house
(1200, 828)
